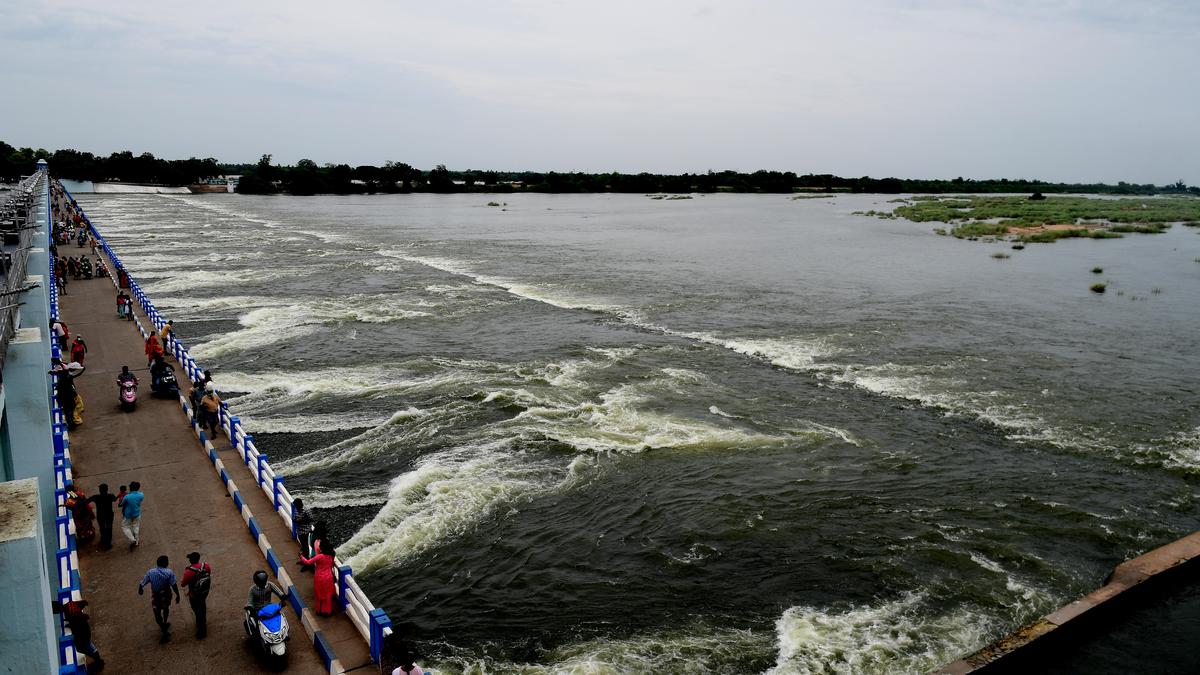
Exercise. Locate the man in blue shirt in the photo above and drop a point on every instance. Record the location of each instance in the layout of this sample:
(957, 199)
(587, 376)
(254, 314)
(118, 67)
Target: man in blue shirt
(161, 581)
(131, 513)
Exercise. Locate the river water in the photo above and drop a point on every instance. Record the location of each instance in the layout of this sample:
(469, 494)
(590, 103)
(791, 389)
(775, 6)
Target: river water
(604, 433)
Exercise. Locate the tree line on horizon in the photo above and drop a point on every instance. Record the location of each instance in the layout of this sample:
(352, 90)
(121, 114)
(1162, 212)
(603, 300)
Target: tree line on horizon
(307, 177)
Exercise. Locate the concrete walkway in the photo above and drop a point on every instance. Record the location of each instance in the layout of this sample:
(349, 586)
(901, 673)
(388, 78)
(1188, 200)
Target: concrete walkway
(186, 509)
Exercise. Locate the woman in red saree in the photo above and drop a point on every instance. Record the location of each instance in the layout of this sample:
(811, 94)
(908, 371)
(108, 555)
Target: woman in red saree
(153, 349)
(324, 587)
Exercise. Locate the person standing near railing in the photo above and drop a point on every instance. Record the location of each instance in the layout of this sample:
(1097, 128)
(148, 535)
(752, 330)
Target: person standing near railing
(153, 349)
(66, 394)
(303, 522)
(324, 587)
(397, 658)
(166, 333)
(211, 404)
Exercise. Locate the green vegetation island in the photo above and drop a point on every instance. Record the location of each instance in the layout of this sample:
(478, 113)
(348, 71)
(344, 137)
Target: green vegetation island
(1041, 219)
(307, 177)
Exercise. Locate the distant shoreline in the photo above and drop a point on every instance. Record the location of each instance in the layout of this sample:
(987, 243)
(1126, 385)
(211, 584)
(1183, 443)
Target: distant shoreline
(307, 177)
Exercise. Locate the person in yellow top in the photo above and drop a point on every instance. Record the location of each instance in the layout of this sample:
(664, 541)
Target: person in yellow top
(211, 405)
(163, 335)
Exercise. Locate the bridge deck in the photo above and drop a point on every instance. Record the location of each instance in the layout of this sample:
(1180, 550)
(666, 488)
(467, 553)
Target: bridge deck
(186, 509)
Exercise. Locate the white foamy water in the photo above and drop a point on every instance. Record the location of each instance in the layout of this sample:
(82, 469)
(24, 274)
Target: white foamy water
(679, 651)
(1182, 449)
(229, 211)
(900, 636)
(446, 496)
(261, 328)
(812, 354)
(560, 298)
(277, 323)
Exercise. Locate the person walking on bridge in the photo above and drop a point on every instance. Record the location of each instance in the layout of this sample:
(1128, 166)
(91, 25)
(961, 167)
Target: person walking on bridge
(161, 581)
(197, 579)
(131, 513)
(103, 500)
(78, 349)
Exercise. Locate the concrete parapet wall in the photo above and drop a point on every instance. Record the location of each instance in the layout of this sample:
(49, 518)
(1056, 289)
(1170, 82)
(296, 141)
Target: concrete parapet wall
(1129, 582)
(25, 618)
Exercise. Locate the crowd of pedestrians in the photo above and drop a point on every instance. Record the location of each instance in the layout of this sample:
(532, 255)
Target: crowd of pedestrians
(97, 514)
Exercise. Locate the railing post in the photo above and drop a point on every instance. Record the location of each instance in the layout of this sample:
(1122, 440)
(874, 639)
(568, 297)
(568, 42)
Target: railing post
(247, 441)
(234, 422)
(379, 623)
(344, 574)
(277, 487)
(262, 464)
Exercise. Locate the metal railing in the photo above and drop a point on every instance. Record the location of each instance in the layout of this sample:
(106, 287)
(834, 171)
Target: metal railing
(67, 553)
(16, 226)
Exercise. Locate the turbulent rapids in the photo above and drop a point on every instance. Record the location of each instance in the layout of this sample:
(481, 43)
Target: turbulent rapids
(603, 433)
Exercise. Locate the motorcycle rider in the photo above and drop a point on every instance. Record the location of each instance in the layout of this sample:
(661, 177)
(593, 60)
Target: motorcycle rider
(126, 376)
(157, 369)
(260, 596)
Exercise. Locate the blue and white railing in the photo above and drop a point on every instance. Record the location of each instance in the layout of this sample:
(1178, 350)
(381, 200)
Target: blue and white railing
(67, 554)
(371, 622)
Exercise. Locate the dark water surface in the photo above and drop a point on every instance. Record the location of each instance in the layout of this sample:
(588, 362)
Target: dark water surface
(604, 433)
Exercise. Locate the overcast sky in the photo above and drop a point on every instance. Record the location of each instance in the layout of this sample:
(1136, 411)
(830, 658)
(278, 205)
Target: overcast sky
(1060, 90)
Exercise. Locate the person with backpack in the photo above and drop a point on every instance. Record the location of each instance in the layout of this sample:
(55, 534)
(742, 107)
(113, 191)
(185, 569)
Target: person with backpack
(197, 579)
